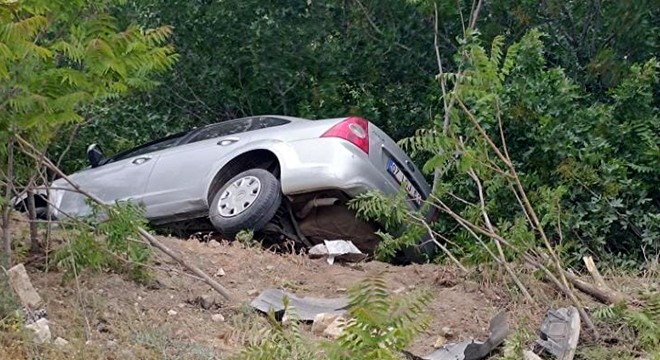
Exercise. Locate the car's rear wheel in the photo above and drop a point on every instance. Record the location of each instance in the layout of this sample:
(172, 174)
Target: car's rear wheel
(248, 201)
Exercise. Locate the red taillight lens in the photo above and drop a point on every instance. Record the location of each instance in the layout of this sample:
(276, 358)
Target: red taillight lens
(354, 130)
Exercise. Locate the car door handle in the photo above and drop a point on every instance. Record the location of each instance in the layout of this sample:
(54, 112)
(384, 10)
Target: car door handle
(227, 141)
(141, 160)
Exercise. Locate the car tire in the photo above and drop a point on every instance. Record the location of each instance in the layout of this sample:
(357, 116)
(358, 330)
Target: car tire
(248, 201)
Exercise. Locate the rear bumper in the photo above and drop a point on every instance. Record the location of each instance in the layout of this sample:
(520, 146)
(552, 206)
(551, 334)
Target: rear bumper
(328, 163)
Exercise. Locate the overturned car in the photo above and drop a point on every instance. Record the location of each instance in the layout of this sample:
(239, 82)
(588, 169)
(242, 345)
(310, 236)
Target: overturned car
(271, 174)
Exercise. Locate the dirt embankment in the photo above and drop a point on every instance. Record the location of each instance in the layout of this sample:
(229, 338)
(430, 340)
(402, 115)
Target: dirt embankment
(105, 316)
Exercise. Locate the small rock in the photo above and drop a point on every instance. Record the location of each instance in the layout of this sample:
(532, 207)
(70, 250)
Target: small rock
(253, 292)
(270, 267)
(206, 301)
(220, 272)
(342, 290)
(171, 313)
(102, 326)
(110, 344)
(322, 321)
(447, 332)
(218, 318)
(60, 342)
(335, 329)
(181, 305)
(440, 342)
(41, 331)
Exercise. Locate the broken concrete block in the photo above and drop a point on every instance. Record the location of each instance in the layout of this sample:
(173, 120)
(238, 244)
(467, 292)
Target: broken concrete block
(41, 331)
(335, 328)
(322, 321)
(22, 286)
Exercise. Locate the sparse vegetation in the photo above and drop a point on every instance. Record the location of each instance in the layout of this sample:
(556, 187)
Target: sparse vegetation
(107, 239)
(378, 326)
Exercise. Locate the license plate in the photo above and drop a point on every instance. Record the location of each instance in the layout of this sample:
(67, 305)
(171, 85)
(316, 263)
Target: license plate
(401, 178)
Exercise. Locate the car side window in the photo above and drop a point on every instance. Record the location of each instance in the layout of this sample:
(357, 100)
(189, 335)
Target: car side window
(157, 145)
(237, 126)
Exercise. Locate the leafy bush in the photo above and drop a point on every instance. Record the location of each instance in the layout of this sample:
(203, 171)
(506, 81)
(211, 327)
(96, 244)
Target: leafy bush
(380, 326)
(640, 326)
(112, 244)
(595, 190)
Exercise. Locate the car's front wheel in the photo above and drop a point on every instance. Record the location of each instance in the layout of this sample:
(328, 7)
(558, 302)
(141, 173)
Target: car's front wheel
(246, 202)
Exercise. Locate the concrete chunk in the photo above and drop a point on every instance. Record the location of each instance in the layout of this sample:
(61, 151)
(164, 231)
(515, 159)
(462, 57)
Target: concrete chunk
(41, 331)
(22, 286)
(322, 321)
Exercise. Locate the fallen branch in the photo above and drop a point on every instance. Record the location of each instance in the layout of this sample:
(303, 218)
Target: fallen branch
(606, 296)
(595, 274)
(145, 234)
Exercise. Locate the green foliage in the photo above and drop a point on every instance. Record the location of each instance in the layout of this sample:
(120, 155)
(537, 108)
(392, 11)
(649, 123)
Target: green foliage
(302, 58)
(587, 164)
(58, 57)
(113, 244)
(401, 229)
(380, 325)
(642, 325)
(8, 305)
(246, 237)
(279, 341)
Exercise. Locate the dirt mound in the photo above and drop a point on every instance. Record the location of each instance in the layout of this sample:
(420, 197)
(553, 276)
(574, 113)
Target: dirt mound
(110, 317)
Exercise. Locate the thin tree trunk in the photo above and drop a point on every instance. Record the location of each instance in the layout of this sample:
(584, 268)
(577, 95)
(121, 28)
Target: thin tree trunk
(6, 214)
(34, 233)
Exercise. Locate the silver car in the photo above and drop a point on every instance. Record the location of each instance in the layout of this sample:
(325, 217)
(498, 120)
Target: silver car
(280, 174)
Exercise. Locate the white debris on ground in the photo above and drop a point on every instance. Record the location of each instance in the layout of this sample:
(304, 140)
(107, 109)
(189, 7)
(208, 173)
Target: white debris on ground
(337, 250)
(41, 331)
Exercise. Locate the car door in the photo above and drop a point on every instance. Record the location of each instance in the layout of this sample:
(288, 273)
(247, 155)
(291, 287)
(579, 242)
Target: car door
(121, 180)
(178, 183)
(121, 177)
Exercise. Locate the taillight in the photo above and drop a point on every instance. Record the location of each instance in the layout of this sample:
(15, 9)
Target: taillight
(353, 129)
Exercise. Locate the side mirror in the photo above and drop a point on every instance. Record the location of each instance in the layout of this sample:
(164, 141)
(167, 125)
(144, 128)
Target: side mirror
(94, 155)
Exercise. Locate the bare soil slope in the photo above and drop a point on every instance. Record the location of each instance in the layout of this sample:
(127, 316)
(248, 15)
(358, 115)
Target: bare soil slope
(106, 316)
